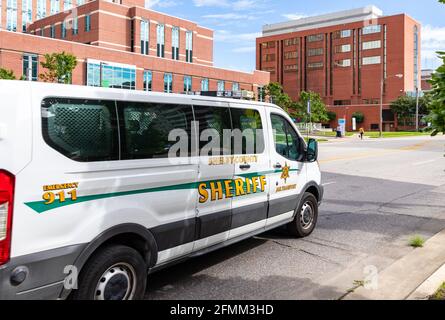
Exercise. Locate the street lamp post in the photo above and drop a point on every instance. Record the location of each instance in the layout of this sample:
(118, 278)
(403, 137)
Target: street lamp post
(382, 83)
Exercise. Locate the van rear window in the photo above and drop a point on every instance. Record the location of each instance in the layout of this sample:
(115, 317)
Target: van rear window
(82, 130)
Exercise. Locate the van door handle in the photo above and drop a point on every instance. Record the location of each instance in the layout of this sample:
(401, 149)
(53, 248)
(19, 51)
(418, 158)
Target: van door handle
(277, 166)
(244, 166)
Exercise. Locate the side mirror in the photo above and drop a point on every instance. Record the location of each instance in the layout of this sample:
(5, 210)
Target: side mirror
(312, 150)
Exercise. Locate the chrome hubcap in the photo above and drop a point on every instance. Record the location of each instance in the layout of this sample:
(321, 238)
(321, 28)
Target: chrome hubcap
(306, 216)
(117, 283)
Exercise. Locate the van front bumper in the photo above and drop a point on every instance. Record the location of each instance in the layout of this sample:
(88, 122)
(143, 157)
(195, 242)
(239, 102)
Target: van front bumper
(44, 274)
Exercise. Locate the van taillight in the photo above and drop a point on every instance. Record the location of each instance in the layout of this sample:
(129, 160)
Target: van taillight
(6, 207)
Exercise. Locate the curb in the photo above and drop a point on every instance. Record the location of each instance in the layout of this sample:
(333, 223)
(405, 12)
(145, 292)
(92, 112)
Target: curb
(405, 277)
(429, 286)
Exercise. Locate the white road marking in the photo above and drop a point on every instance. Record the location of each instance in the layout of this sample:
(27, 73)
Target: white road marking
(423, 162)
(328, 183)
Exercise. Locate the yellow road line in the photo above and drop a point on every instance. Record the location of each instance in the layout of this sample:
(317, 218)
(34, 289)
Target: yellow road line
(376, 153)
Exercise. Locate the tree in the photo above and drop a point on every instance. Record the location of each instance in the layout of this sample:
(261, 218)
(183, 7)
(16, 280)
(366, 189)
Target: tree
(59, 67)
(319, 112)
(277, 95)
(437, 99)
(405, 107)
(7, 74)
(359, 116)
(332, 115)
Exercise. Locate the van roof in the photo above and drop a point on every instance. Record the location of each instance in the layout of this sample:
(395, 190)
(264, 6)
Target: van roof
(62, 88)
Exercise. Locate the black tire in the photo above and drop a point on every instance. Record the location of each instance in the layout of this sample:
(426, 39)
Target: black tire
(297, 227)
(111, 267)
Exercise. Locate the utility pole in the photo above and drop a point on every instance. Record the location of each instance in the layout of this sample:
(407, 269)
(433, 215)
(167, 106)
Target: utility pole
(382, 80)
(417, 108)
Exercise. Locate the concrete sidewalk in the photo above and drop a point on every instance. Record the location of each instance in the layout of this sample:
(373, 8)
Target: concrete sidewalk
(404, 278)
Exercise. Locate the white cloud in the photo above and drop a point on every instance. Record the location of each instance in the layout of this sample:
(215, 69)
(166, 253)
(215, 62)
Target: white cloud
(433, 39)
(161, 3)
(237, 5)
(229, 16)
(294, 16)
(211, 3)
(244, 49)
(229, 37)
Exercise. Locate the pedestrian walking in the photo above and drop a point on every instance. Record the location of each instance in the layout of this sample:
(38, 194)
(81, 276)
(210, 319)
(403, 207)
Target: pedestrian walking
(361, 133)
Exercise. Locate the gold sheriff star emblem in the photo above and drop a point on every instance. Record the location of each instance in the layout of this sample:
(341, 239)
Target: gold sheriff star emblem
(285, 172)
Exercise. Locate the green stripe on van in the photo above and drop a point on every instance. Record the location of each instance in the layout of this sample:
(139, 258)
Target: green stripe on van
(40, 206)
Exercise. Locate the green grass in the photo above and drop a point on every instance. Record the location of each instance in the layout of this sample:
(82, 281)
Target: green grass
(416, 241)
(376, 134)
(396, 134)
(440, 293)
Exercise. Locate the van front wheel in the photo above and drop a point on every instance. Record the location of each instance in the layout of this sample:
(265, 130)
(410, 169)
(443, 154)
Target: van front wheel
(114, 273)
(305, 217)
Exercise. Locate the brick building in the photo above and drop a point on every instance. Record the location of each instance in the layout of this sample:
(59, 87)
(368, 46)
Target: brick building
(121, 45)
(344, 57)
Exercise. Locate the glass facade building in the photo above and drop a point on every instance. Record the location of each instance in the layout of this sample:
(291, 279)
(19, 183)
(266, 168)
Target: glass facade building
(111, 75)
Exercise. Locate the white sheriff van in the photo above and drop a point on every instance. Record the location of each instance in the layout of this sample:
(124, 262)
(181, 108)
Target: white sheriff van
(91, 202)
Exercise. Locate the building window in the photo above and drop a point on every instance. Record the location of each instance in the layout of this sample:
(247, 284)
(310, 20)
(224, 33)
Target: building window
(67, 4)
(80, 2)
(372, 29)
(63, 29)
(371, 60)
(342, 102)
(371, 45)
(52, 31)
(87, 23)
(42, 32)
(175, 43)
(343, 48)
(145, 27)
(26, 13)
(55, 6)
(205, 84)
(315, 65)
(41, 9)
(261, 94)
(11, 15)
(343, 63)
(291, 42)
(30, 67)
(315, 37)
(371, 101)
(269, 57)
(315, 52)
(187, 84)
(416, 57)
(161, 40)
(270, 69)
(75, 29)
(189, 46)
(168, 83)
(345, 33)
(290, 55)
(110, 75)
(268, 45)
(221, 86)
(290, 68)
(235, 87)
(148, 80)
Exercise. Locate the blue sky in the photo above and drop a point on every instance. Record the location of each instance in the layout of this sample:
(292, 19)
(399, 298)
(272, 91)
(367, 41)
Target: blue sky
(238, 22)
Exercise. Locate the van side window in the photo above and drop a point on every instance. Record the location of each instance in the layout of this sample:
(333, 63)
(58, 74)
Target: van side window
(218, 120)
(249, 122)
(82, 130)
(287, 141)
(145, 128)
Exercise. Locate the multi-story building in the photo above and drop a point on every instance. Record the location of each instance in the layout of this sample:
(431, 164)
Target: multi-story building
(346, 57)
(117, 44)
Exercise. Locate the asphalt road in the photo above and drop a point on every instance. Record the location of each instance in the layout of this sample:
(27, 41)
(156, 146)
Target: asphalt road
(378, 193)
